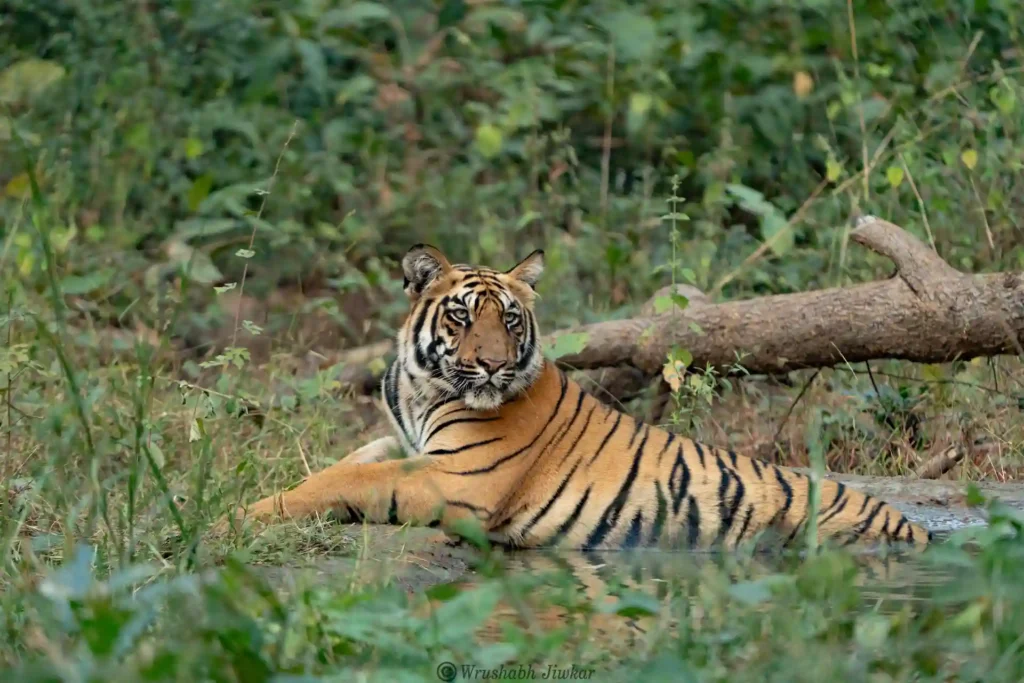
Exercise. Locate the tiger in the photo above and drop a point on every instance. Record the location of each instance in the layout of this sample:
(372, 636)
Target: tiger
(496, 435)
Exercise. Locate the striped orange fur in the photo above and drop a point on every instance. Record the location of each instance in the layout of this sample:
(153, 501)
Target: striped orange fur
(494, 432)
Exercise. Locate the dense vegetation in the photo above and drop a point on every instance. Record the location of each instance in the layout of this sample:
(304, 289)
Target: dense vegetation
(199, 201)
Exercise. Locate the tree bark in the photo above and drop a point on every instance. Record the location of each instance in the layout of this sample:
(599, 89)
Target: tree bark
(926, 312)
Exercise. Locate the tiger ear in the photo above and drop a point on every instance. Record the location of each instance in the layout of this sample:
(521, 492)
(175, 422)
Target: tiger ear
(529, 269)
(421, 265)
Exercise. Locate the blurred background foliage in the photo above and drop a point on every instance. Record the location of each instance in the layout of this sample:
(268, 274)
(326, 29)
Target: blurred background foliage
(491, 128)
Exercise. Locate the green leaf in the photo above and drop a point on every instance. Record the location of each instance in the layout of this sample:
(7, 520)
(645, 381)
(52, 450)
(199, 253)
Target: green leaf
(667, 301)
(680, 355)
(23, 81)
(777, 233)
(970, 158)
(470, 529)
(203, 227)
(196, 265)
(452, 12)
(73, 579)
(566, 344)
(353, 88)
(632, 604)
(1004, 97)
(443, 592)
(193, 148)
(86, 284)
(488, 140)
(640, 104)
(833, 170)
(894, 174)
(974, 496)
(356, 14)
(871, 631)
(757, 591)
(749, 199)
(460, 617)
(634, 35)
(199, 191)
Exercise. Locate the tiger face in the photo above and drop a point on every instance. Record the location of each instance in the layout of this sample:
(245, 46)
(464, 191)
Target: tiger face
(471, 333)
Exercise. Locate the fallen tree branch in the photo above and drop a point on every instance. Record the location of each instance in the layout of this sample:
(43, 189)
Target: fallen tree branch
(927, 312)
(939, 464)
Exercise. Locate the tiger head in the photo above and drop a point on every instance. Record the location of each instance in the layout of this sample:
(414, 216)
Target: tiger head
(471, 333)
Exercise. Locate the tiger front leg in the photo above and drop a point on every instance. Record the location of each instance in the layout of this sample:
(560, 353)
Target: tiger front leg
(392, 492)
(378, 450)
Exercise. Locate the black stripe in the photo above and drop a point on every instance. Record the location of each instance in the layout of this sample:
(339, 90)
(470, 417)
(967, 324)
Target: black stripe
(678, 480)
(468, 506)
(354, 514)
(896, 531)
(807, 509)
(610, 517)
(529, 343)
(604, 442)
(393, 509)
(391, 398)
(842, 506)
(500, 461)
(659, 516)
(633, 535)
(727, 513)
(746, 523)
(417, 329)
(636, 430)
(571, 520)
(866, 523)
(692, 522)
(466, 447)
(757, 469)
(732, 459)
(671, 440)
(787, 490)
(551, 501)
(583, 430)
(428, 414)
(840, 490)
(664, 449)
(863, 505)
(435, 339)
(792, 535)
(567, 425)
(450, 423)
(700, 454)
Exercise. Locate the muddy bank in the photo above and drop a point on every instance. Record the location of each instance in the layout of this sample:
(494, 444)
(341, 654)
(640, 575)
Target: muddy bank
(938, 505)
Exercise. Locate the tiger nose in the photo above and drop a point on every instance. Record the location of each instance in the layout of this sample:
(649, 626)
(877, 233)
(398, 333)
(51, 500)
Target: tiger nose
(491, 365)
